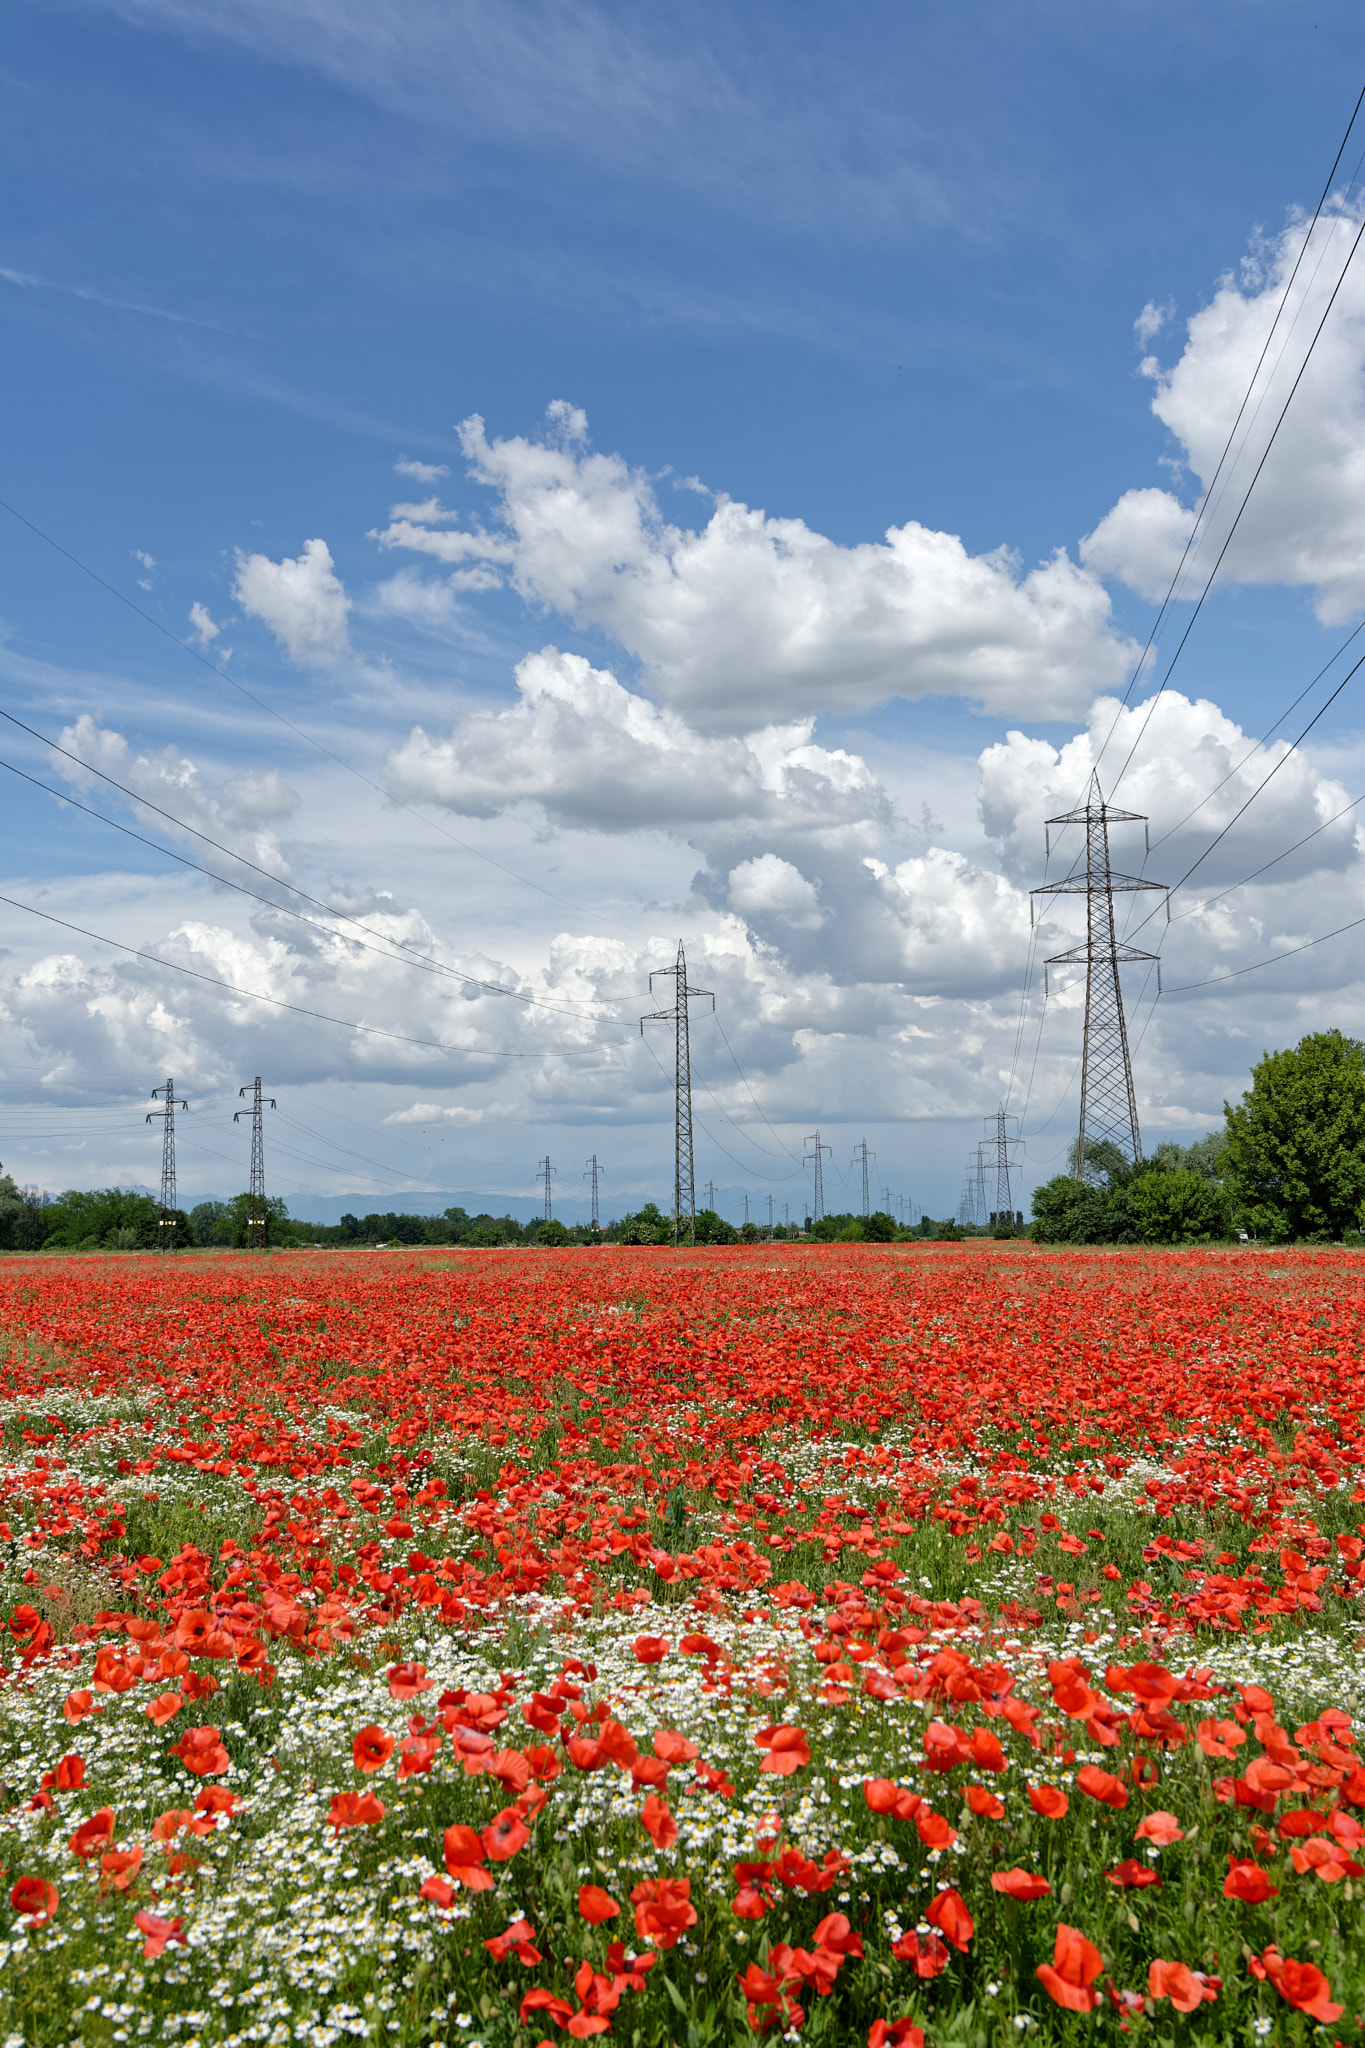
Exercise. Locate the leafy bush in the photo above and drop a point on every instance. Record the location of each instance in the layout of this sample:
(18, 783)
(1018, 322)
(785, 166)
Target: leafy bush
(1296, 1140)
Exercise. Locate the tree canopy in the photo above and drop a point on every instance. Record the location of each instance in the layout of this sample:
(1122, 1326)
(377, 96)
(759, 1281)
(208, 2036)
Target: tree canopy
(1296, 1140)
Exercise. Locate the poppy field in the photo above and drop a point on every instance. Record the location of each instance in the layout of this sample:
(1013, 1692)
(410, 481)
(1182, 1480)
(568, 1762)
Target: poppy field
(960, 1645)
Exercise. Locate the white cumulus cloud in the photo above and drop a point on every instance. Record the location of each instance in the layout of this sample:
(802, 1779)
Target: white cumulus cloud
(301, 600)
(1304, 524)
(753, 620)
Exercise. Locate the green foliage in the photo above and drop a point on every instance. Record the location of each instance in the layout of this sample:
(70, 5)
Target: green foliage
(552, 1232)
(103, 1219)
(1106, 1163)
(22, 1225)
(1071, 1211)
(713, 1229)
(1296, 1140)
(1179, 1207)
(879, 1227)
(647, 1226)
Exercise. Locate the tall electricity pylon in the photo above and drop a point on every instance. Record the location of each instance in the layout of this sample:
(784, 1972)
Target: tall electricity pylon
(544, 1170)
(257, 1215)
(1108, 1103)
(980, 1199)
(816, 1157)
(684, 1185)
(710, 1194)
(770, 1215)
(165, 1234)
(593, 1169)
(996, 1129)
(861, 1155)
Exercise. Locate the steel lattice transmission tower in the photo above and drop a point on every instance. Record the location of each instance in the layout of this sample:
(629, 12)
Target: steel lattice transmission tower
(861, 1156)
(257, 1216)
(684, 1184)
(591, 1173)
(816, 1157)
(165, 1234)
(1108, 1103)
(544, 1170)
(997, 1127)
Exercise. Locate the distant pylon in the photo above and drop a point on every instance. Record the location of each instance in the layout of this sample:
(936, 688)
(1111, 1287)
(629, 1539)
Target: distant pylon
(980, 1210)
(684, 1185)
(710, 1194)
(816, 1158)
(861, 1154)
(257, 1216)
(746, 1212)
(165, 1233)
(592, 1172)
(996, 1128)
(1108, 1103)
(770, 1215)
(544, 1169)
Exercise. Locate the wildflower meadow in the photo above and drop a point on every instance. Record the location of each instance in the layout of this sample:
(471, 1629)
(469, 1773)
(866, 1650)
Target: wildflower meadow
(958, 1645)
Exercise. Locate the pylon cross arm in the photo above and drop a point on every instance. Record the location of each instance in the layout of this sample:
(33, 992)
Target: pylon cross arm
(1080, 885)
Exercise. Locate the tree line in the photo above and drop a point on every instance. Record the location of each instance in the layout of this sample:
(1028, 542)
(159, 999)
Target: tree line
(1287, 1167)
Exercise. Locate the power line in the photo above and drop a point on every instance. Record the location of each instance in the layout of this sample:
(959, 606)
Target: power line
(1256, 965)
(298, 731)
(426, 960)
(297, 1009)
(1232, 435)
(1246, 499)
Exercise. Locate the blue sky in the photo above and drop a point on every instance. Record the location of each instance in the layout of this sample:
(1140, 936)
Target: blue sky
(856, 273)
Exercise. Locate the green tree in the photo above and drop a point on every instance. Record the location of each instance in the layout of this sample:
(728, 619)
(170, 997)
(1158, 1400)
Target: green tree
(102, 1219)
(712, 1228)
(647, 1226)
(879, 1227)
(1178, 1207)
(278, 1228)
(1296, 1140)
(212, 1223)
(22, 1224)
(552, 1232)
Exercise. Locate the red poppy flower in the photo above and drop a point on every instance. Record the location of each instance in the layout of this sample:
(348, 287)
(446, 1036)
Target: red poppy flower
(201, 1750)
(504, 1835)
(672, 1748)
(924, 1952)
(986, 1751)
(934, 1831)
(1248, 1882)
(119, 1869)
(406, 1681)
(93, 1833)
(1160, 1827)
(1302, 1985)
(35, 1899)
(159, 1933)
(78, 1704)
(1020, 1884)
(596, 1905)
(1110, 1791)
(518, 1940)
(984, 1803)
(355, 1810)
(949, 1915)
(371, 1748)
(651, 1649)
(787, 1747)
(895, 2034)
(658, 1822)
(1187, 1989)
(1050, 1801)
(1131, 1876)
(1075, 1964)
(663, 1910)
(163, 1708)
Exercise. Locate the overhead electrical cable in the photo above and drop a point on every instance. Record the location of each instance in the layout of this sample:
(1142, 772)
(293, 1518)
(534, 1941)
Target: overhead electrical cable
(299, 732)
(1237, 519)
(427, 960)
(1216, 981)
(297, 1009)
(1227, 446)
